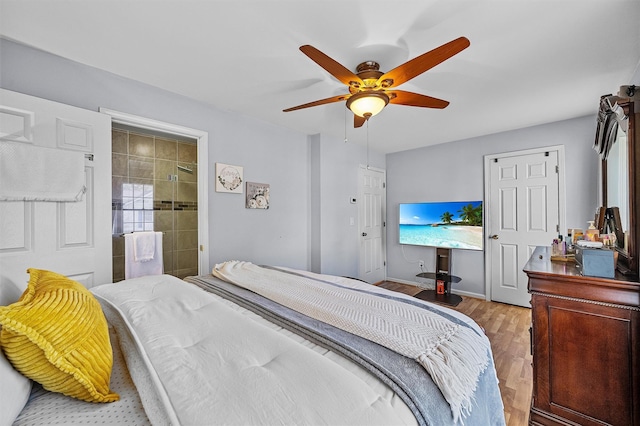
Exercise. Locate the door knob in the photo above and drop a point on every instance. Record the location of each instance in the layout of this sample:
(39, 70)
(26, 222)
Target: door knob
(364, 234)
(494, 237)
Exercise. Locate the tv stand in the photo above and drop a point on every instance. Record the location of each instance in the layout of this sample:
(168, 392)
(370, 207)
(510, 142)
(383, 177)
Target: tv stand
(443, 267)
(447, 298)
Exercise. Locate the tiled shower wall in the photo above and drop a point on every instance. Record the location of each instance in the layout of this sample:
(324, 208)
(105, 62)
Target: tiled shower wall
(153, 161)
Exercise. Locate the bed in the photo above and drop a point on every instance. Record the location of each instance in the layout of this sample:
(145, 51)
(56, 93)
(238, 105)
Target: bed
(252, 344)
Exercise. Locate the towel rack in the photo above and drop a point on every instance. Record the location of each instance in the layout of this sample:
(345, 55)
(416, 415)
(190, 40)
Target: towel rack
(122, 235)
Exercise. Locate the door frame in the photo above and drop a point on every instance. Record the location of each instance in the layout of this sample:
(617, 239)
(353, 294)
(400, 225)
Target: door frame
(361, 169)
(202, 139)
(488, 261)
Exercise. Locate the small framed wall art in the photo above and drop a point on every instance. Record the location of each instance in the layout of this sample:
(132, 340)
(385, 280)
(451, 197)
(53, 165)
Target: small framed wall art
(257, 195)
(228, 178)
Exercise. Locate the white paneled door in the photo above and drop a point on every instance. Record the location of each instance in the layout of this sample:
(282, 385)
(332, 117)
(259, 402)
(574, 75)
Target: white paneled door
(371, 224)
(523, 213)
(71, 238)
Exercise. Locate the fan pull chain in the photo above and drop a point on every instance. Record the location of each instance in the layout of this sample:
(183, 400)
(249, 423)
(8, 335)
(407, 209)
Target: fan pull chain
(345, 125)
(367, 144)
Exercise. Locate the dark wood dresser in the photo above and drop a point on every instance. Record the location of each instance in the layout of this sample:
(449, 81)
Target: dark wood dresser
(585, 342)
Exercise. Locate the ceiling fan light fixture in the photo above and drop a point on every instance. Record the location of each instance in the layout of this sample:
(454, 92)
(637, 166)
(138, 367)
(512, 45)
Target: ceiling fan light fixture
(367, 104)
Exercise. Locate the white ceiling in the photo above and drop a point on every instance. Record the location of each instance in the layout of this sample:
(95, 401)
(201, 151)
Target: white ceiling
(530, 61)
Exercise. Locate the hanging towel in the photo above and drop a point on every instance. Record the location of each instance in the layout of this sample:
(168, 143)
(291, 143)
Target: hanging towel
(144, 246)
(133, 268)
(35, 173)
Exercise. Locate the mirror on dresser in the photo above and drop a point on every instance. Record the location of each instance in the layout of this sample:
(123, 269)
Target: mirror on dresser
(618, 143)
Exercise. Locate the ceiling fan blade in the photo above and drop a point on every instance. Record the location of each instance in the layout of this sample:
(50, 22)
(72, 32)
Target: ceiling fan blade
(358, 121)
(334, 68)
(424, 62)
(320, 102)
(415, 99)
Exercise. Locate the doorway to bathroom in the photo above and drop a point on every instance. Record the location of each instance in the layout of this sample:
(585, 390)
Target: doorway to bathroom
(157, 185)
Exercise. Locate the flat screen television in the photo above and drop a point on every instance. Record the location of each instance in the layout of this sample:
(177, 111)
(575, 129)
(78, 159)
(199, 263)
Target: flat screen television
(454, 224)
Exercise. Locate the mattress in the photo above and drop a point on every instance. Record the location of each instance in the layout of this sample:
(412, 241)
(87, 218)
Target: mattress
(50, 408)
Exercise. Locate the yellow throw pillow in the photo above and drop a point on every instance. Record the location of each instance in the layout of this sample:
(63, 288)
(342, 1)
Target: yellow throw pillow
(57, 335)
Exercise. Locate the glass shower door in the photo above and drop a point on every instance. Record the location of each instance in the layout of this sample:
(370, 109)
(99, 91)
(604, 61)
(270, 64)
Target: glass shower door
(155, 189)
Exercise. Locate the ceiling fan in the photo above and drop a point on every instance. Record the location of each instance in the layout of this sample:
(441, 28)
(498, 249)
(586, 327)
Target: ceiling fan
(370, 90)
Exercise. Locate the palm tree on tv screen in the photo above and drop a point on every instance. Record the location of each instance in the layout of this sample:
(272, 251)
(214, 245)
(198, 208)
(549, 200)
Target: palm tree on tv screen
(446, 217)
(471, 215)
(477, 216)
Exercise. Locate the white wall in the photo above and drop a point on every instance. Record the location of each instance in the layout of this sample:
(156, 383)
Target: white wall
(455, 172)
(269, 154)
(339, 164)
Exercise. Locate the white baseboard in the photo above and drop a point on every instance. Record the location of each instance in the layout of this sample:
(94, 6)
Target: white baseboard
(431, 287)
(469, 294)
(398, 280)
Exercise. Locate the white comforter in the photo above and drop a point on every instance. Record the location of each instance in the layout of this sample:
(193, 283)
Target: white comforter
(204, 360)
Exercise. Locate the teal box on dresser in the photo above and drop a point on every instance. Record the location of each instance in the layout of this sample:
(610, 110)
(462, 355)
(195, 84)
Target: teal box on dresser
(595, 262)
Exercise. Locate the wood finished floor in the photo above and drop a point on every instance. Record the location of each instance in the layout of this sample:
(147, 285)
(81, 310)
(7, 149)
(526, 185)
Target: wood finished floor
(507, 327)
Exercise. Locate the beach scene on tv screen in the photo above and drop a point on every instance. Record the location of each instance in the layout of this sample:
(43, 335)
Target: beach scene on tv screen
(455, 224)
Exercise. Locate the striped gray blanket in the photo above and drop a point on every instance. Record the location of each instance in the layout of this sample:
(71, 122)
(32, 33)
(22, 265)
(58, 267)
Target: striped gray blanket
(453, 355)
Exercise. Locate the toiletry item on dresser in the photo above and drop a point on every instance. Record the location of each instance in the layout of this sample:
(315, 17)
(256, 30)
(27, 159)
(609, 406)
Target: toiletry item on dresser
(606, 239)
(590, 244)
(560, 250)
(558, 247)
(570, 243)
(577, 235)
(592, 234)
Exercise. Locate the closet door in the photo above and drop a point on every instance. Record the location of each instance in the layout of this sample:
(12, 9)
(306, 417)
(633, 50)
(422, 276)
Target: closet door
(71, 238)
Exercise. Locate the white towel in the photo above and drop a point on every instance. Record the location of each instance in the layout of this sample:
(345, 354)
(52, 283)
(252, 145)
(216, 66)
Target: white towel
(35, 173)
(132, 268)
(144, 246)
